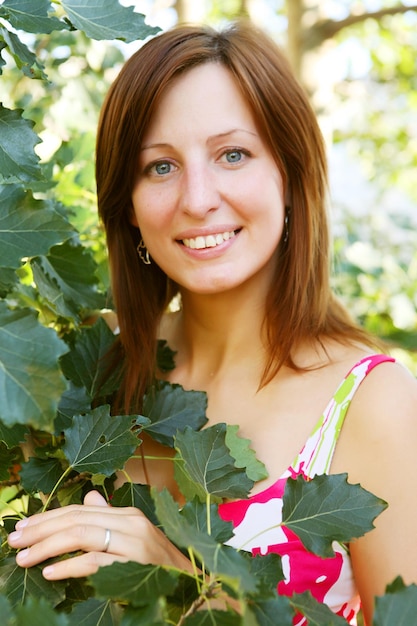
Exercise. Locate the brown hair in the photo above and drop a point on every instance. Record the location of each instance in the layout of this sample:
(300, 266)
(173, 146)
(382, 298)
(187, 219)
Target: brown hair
(300, 304)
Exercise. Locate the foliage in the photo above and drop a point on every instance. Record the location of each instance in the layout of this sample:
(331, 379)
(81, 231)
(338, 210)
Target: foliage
(58, 438)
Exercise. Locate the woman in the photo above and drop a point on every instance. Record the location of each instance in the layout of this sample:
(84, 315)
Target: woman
(211, 180)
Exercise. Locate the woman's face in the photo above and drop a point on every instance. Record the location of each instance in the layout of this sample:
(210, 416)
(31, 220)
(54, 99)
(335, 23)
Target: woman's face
(208, 197)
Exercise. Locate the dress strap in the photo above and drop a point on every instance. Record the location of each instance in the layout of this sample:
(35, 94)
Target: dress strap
(317, 454)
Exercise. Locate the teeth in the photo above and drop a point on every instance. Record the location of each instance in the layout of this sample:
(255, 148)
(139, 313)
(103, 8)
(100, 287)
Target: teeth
(211, 241)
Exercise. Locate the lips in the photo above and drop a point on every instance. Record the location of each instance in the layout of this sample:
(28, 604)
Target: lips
(209, 241)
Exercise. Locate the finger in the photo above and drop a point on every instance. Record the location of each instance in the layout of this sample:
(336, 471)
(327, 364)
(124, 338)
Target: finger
(82, 537)
(81, 565)
(94, 498)
(61, 512)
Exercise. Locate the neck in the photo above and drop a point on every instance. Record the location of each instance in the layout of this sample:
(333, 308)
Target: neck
(214, 333)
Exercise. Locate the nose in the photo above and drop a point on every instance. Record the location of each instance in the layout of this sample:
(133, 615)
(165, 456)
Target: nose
(199, 193)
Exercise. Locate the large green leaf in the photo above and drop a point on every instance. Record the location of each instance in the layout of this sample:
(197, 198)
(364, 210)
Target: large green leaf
(171, 408)
(18, 161)
(66, 279)
(398, 606)
(27, 226)
(107, 19)
(18, 583)
(30, 378)
(94, 612)
(327, 509)
(23, 57)
(135, 583)
(100, 443)
(205, 466)
(31, 16)
(317, 613)
(85, 363)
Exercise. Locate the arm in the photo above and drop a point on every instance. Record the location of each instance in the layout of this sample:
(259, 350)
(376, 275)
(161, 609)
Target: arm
(379, 448)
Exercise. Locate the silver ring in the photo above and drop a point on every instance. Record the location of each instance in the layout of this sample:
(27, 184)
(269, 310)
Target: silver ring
(107, 540)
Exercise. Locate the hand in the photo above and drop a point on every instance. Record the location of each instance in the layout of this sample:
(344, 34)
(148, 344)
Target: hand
(84, 528)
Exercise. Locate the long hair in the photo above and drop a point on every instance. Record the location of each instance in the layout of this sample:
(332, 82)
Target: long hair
(300, 304)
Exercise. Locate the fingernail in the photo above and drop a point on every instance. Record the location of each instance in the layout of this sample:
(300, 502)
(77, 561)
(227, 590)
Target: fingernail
(14, 536)
(22, 555)
(48, 571)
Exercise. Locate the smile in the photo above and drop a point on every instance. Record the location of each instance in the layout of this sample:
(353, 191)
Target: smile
(211, 241)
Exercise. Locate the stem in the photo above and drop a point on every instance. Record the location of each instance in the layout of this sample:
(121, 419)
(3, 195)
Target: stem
(54, 490)
(208, 502)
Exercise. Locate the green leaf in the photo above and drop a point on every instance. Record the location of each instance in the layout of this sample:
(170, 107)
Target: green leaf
(243, 454)
(66, 279)
(18, 160)
(29, 375)
(220, 560)
(27, 226)
(74, 400)
(151, 615)
(204, 466)
(317, 613)
(40, 474)
(171, 408)
(31, 16)
(18, 584)
(25, 59)
(85, 363)
(94, 612)
(8, 280)
(38, 612)
(13, 435)
(5, 610)
(165, 356)
(7, 458)
(195, 513)
(267, 570)
(138, 496)
(135, 583)
(398, 606)
(327, 509)
(273, 611)
(213, 617)
(100, 443)
(107, 19)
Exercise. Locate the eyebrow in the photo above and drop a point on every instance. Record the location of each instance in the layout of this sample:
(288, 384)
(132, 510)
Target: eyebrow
(149, 146)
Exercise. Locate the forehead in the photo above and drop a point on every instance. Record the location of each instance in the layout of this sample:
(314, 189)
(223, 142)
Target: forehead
(201, 96)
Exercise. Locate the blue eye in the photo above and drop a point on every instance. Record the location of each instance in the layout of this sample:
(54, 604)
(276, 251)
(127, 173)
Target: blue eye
(162, 168)
(234, 156)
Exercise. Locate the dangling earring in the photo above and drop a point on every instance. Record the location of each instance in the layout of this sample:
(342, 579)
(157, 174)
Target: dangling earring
(143, 253)
(286, 224)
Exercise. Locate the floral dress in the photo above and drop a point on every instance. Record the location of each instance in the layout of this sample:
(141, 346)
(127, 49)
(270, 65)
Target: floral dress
(257, 519)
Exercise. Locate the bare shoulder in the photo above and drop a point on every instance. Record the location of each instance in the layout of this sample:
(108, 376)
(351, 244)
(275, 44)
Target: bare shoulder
(382, 419)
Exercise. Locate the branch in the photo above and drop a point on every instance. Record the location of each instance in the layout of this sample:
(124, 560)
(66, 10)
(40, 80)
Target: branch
(326, 29)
